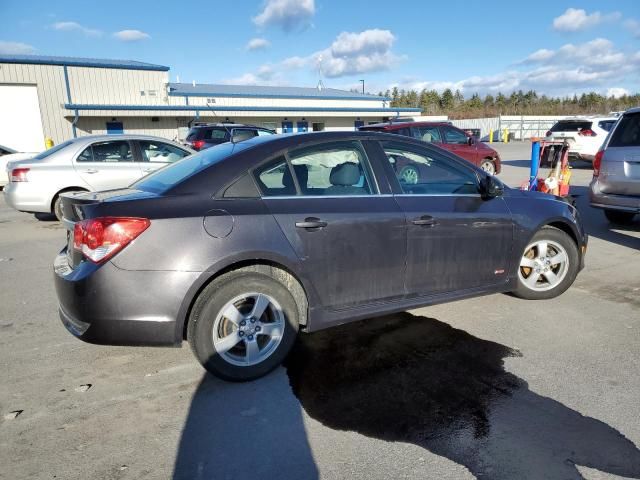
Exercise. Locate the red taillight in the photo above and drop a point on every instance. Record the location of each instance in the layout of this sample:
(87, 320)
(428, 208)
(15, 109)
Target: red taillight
(597, 162)
(587, 132)
(197, 144)
(548, 133)
(19, 175)
(101, 238)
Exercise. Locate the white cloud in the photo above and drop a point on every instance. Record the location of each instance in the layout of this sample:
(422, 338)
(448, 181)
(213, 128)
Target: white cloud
(617, 92)
(16, 48)
(289, 15)
(131, 35)
(593, 65)
(349, 54)
(76, 27)
(258, 44)
(576, 19)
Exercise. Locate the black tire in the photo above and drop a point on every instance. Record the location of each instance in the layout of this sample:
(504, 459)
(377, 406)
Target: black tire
(258, 279)
(57, 208)
(57, 203)
(555, 235)
(621, 218)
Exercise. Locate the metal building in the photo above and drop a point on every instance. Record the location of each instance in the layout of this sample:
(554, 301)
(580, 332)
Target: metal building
(63, 97)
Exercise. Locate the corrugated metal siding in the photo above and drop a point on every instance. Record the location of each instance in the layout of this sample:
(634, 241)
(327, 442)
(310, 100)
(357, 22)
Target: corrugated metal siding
(117, 87)
(51, 94)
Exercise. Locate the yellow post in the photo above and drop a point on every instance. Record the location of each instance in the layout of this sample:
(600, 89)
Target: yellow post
(48, 142)
(491, 136)
(505, 135)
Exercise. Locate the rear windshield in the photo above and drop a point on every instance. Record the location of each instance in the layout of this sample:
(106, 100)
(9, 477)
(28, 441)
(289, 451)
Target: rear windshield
(174, 173)
(52, 150)
(571, 126)
(627, 133)
(211, 135)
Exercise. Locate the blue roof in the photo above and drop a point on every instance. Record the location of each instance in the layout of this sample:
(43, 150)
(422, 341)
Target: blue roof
(209, 90)
(81, 62)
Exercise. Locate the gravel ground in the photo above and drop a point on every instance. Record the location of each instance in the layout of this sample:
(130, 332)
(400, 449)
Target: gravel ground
(492, 387)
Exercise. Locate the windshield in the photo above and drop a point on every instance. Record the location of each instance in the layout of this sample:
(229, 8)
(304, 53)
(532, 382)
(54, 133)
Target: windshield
(169, 176)
(52, 150)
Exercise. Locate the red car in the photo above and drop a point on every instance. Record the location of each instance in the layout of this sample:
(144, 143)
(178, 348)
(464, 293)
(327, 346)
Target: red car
(448, 137)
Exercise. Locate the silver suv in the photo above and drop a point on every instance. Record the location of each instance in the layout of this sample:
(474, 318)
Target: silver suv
(86, 164)
(615, 186)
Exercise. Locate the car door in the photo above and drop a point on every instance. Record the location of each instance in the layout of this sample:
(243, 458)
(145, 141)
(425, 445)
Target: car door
(108, 164)
(350, 239)
(155, 154)
(456, 240)
(457, 142)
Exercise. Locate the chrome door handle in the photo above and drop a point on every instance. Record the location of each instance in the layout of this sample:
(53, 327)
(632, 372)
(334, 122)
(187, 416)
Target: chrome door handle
(91, 170)
(311, 223)
(426, 221)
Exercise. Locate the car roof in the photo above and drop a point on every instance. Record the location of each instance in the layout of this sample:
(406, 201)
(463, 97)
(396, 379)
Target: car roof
(122, 136)
(397, 125)
(291, 139)
(632, 110)
(226, 125)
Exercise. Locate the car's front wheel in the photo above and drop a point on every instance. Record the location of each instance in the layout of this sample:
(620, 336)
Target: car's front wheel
(243, 325)
(621, 218)
(488, 166)
(548, 266)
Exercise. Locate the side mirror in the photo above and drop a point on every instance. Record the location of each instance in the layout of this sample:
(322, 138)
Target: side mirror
(490, 187)
(470, 141)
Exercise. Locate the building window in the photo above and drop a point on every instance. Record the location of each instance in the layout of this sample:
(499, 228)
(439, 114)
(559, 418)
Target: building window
(153, 93)
(211, 100)
(142, 93)
(318, 126)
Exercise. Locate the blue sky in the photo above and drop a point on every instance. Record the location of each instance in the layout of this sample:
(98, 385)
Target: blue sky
(554, 47)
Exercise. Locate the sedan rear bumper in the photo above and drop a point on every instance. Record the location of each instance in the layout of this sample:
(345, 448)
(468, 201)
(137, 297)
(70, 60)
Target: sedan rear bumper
(106, 305)
(28, 197)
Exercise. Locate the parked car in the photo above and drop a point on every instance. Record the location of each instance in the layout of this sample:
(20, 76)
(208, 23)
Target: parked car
(210, 134)
(584, 135)
(615, 186)
(11, 157)
(448, 137)
(241, 246)
(86, 164)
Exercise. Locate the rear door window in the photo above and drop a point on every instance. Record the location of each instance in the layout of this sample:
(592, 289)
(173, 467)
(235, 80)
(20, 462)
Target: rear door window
(607, 124)
(627, 132)
(113, 152)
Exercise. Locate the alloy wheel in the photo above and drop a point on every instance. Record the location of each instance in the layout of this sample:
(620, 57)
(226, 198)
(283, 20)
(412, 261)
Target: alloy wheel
(248, 329)
(544, 265)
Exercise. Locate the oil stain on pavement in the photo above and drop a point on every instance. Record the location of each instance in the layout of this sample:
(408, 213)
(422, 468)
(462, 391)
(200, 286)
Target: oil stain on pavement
(415, 379)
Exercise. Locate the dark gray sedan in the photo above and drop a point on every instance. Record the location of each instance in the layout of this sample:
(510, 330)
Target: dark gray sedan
(238, 248)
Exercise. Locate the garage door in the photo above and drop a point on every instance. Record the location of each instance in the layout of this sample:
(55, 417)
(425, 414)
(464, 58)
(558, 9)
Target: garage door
(20, 120)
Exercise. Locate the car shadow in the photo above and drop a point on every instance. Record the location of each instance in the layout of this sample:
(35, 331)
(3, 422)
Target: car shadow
(45, 217)
(405, 378)
(244, 430)
(597, 225)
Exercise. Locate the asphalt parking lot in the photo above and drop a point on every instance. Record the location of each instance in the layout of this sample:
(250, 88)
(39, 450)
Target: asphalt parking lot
(493, 387)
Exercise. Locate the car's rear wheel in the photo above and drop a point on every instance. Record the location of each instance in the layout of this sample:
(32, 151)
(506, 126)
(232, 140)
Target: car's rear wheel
(621, 218)
(57, 203)
(243, 325)
(548, 266)
(488, 166)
